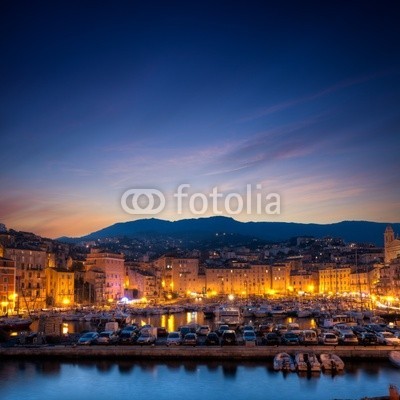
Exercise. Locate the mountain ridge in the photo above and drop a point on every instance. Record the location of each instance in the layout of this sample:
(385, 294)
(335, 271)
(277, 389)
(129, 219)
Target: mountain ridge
(350, 231)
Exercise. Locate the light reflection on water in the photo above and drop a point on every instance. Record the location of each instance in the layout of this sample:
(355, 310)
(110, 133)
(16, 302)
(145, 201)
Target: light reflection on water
(52, 380)
(173, 321)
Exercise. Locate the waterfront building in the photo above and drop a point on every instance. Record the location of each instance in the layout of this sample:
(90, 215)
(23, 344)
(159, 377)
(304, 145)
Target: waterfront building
(94, 287)
(334, 279)
(392, 245)
(179, 275)
(238, 279)
(303, 281)
(140, 284)
(113, 268)
(280, 278)
(59, 287)
(363, 279)
(8, 292)
(30, 267)
(389, 280)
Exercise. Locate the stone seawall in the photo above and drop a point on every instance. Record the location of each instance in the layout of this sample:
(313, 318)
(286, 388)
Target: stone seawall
(185, 352)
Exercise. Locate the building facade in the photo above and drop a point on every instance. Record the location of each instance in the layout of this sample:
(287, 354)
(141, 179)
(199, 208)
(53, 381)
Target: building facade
(392, 245)
(8, 290)
(30, 276)
(59, 287)
(113, 268)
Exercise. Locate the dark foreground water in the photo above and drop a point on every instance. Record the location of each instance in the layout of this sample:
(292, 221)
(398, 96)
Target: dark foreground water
(51, 380)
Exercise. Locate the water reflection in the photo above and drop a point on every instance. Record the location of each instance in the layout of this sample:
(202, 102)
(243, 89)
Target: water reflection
(197, 380)
(229, 370)
(125, 367)
(104, 366)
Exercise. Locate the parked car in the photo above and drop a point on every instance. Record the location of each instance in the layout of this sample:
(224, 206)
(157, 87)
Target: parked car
(263, 329)
(329, 338)
(162, 332)
(203, 330)
(375, 328)
(107, 337)
(212, 339)
(222, 329)
(249, 337)
(127, 336)
(271, 339)
(184, 330)
(348, 339)
(145, 338)
(247, 328)
(290, 338)
(174, 339)
(368, 338)
(190, 339)
(280, 329)
(229, 338)
(358, 330)
(308, 337)
(388, 338)
(88, 338)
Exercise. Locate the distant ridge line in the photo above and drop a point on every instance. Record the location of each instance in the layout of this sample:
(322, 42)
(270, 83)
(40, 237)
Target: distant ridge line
(350, 231)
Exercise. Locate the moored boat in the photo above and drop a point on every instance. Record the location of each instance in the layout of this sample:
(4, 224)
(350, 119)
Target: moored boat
(15, 324)
(307, 362)
(228, 315)
(313, 363)
(331, 362)
(394, 358)
(284, 362)
(300, 362)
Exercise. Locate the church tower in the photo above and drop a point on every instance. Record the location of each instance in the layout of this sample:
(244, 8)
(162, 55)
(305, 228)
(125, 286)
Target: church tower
(389, 238)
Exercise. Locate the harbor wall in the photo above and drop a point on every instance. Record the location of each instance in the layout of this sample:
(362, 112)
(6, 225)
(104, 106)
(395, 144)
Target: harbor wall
(239, 353)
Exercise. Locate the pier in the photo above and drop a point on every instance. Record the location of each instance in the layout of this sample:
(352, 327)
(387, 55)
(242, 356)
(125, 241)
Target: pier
(239, 353)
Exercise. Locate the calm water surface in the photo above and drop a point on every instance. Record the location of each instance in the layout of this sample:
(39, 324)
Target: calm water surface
(182, 380)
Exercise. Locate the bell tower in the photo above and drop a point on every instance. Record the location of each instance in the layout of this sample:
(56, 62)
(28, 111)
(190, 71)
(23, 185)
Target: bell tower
(389, 238)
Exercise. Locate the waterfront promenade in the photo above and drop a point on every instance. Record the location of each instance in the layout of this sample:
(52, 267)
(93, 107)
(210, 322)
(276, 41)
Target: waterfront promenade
(238, 353)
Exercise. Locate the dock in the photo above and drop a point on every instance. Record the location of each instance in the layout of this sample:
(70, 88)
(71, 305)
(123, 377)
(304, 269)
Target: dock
(160, 352)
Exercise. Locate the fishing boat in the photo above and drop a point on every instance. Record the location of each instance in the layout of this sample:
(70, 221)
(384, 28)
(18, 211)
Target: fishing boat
(331, 362)
(284, 362)
(394, 358)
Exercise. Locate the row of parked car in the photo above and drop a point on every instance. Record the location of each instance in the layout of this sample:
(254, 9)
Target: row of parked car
(191, 335)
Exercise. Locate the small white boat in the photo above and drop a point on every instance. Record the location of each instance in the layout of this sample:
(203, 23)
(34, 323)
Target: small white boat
(394, 357)
(331, 362)
(284, 362)
(313, 363)
(300, 362)
(307, 362)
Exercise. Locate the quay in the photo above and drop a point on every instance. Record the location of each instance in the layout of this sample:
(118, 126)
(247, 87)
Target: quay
(232, 353)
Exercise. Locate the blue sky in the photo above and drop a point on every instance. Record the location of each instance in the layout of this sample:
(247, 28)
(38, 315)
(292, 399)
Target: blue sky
(301, 98)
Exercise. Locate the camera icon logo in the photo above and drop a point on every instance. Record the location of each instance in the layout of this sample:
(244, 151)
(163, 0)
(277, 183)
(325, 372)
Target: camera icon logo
(143, 201)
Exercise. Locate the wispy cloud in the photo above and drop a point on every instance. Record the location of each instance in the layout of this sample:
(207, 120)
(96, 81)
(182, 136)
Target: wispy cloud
(347, 83)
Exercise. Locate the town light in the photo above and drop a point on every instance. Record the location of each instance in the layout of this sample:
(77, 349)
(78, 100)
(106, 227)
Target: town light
(231, 297)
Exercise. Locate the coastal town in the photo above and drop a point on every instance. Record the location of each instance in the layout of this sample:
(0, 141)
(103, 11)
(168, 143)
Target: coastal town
(38, 273)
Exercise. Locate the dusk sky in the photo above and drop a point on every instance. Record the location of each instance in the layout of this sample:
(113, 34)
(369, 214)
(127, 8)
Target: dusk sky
(302, 98)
